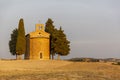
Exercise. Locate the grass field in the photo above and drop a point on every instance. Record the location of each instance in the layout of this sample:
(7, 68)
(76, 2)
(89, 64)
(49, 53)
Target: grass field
(57, 70)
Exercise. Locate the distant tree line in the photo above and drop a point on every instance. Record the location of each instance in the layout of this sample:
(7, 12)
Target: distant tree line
(58, 41)
(84, 60)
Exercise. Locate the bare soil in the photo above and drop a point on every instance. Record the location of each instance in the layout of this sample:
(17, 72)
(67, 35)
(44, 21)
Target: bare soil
(57, 70)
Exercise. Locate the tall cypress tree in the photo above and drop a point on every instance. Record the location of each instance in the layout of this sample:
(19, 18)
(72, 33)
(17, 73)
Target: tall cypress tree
(21, 40)
(49, 27)
(62, 46)
(12, 42)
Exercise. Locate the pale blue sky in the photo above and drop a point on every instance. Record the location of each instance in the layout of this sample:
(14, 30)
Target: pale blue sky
(92, 26)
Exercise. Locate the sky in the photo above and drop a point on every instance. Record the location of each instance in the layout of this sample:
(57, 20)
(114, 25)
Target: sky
(92, 26)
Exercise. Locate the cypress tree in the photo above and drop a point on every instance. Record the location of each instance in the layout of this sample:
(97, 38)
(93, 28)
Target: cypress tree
(62, 46)
(12, 42)
(49, 27)
(21, 40)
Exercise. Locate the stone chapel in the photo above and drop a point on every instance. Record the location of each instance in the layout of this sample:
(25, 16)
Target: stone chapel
(38, 44)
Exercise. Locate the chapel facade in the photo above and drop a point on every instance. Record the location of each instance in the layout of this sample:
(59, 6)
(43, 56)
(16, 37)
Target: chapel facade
(38, 44)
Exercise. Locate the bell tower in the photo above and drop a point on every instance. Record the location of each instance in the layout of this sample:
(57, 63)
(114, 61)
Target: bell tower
(39, 27)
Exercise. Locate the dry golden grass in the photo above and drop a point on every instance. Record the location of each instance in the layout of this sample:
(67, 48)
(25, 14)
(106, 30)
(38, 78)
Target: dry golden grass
(57, 70)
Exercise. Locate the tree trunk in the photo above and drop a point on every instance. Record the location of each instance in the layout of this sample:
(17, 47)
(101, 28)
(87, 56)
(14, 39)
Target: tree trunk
(18, 57)
(58, 57)
(52, 56)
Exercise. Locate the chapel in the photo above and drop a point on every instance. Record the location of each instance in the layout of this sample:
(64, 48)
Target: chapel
(38, 44)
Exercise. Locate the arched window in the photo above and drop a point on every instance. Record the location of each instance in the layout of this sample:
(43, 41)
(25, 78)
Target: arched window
(40, 55)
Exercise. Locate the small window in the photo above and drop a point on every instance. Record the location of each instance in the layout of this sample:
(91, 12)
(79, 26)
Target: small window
(40, 55)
